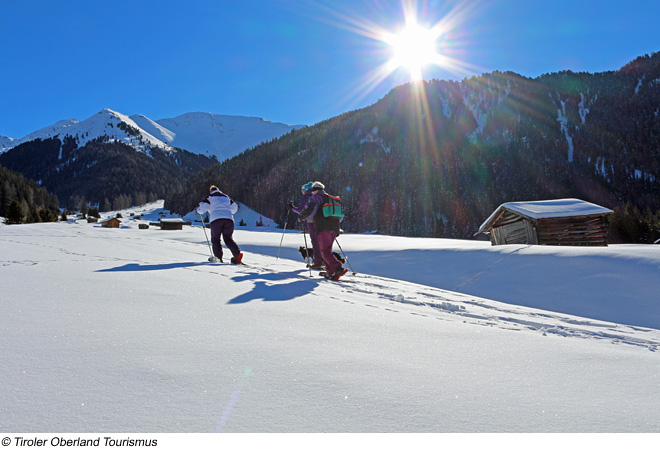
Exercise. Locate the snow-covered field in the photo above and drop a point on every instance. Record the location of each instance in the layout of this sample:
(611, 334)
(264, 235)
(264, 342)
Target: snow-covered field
(129, 330)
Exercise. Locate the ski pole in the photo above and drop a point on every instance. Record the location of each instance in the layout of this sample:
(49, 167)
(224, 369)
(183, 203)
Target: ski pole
(307, 254)
(212, 258)
(345, 257)
(283, 231)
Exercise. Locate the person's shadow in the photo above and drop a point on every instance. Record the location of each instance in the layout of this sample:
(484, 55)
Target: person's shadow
(283, 286)
(274, 292)
(133, 267)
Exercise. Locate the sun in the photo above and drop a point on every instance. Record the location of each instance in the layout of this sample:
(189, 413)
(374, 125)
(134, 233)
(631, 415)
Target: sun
(413, 48)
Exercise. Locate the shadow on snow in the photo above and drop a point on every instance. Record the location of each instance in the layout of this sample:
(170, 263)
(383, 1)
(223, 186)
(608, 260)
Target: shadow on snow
(267, 288)
(133, 267)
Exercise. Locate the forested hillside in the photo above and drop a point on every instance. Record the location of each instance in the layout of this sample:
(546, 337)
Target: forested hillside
(436, 159)
(111, 174)
(24, 201)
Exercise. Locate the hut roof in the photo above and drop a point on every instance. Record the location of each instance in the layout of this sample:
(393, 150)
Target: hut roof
(546, 209)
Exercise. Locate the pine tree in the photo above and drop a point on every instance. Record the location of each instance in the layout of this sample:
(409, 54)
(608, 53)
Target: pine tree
(15, 213)
(48, 215)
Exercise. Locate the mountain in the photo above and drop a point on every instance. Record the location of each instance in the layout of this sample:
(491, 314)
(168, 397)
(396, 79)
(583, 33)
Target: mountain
(106, 123)
(5, 142)
(213, 134)
(96, 159)
(437, 158)
(103, 171)
(206, 134)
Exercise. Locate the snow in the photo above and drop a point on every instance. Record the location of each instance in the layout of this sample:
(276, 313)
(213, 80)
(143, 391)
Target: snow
(217, 135)
(563, 121)
(154, 128)
(103, 123)
(6, 142)
(583, 110)
(481, 117)
(372, 137)
(107, 219)
(220, 135)
(446, 107)
(128, 330)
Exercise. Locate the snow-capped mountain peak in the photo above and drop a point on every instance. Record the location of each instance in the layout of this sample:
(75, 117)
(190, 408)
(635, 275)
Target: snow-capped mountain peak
(214, 134)
(109, 123)
(6, 142)
(154, 128)
(105, 123)
(210, 134)
(53, 130)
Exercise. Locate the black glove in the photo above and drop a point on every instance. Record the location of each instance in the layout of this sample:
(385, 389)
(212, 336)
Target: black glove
(290, 205)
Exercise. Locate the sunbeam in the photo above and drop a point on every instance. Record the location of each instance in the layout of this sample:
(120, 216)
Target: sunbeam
(409, 50)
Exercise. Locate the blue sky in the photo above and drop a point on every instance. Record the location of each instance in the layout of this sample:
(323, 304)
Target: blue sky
(297, 62)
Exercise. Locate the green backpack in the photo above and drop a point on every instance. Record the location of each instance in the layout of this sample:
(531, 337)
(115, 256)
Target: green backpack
(332, 207)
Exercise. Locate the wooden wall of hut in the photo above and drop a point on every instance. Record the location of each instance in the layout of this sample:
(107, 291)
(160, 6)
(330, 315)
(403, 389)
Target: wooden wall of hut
(512, 229)
(581, 231)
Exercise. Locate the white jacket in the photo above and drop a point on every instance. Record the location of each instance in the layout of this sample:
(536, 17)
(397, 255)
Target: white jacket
(219, 206)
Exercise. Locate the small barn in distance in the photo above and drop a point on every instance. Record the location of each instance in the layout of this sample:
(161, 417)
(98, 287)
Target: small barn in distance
(171, 224)
(567, 221)
(112, 222)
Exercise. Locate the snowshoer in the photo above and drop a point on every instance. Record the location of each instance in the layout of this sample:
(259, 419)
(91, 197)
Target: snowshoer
(221, 210)
(327, 229)
(317, 260)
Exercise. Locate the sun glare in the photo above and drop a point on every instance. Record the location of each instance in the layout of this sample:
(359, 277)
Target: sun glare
(413, 48)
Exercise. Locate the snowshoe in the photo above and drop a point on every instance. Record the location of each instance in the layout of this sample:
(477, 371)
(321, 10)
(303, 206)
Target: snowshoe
(238, 259)
(336, 275)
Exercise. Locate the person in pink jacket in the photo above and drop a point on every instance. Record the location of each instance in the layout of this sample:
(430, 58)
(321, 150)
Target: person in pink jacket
(306, 189)
(327, 229)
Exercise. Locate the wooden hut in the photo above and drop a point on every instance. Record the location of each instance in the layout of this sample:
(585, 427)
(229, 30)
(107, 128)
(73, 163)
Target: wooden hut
(566, 221)
(172, 224)
(112, 222)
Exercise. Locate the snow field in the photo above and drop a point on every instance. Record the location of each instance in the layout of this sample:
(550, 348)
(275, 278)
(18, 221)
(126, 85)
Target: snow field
(133, 331)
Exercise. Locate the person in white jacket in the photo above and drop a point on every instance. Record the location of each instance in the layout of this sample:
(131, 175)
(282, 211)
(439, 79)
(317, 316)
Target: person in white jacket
(221, 210)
